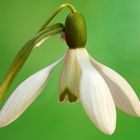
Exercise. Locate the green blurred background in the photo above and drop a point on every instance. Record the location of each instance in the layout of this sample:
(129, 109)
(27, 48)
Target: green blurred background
(113, 39)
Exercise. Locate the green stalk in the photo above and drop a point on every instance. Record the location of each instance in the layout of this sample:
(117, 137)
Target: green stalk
(61, 7)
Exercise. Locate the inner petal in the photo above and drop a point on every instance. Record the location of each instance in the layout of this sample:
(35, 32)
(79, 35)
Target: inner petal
(69, 78)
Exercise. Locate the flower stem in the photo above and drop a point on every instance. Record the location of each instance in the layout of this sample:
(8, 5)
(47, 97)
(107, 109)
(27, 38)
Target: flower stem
(61, 7)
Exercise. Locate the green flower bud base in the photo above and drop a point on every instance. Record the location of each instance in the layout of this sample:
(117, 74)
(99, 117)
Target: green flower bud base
(75, 30)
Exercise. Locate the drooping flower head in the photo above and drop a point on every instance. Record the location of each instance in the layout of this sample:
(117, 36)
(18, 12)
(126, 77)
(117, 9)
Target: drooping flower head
(99, 88)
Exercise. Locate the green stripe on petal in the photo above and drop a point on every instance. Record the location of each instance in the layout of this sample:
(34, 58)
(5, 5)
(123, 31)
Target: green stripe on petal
(70, 78)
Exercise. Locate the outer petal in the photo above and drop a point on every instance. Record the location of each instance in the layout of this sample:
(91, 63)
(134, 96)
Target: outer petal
(123, 94)
(24, 95)
(70, 78)
(95, 95)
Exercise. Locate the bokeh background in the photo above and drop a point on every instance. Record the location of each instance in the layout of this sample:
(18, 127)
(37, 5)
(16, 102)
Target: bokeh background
(113, 39)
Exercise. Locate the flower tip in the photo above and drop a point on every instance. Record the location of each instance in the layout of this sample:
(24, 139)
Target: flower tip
(138, 111)
(109, 127)
(138, 115)
(2, 124)
(109, 131)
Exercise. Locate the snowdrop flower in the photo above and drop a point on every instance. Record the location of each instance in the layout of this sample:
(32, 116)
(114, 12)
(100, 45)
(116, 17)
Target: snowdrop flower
(83, 79)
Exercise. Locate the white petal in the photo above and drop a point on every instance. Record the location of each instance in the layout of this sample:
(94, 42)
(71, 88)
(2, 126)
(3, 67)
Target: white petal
(69, 78)
(95, 95)
(124, 96)
(24, 95)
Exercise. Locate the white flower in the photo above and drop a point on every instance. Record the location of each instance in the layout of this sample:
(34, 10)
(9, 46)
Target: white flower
(98, 87)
